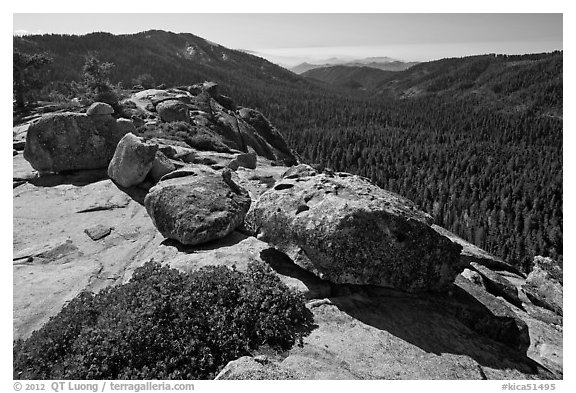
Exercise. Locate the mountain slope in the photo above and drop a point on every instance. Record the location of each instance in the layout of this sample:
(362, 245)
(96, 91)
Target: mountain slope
(360, 77)
(375, 62)
(170, 58)
(513, 83)
(184, 59)
(303, 67)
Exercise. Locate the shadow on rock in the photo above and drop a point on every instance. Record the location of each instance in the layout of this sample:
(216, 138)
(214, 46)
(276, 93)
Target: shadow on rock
(75, 178)
(233, 238)
(137, 193)
(436, 323)
(308, 283)
(282, 264)
(469, 321)
(431, 323)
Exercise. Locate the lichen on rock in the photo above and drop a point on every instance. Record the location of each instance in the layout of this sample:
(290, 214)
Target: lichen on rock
(346, 230)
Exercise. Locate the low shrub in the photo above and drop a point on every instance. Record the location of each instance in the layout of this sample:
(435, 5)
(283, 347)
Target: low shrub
(176, 131)
(203, 140)
(200, 138)
(165, 324)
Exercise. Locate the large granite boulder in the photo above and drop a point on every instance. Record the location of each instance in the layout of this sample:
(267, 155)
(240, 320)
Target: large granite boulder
(544, 285)
(150, 98)
(173, 110)
(346, 230)
(132, 160)
(246, 160)
(73, 141)
(99, 109)
(194, 206)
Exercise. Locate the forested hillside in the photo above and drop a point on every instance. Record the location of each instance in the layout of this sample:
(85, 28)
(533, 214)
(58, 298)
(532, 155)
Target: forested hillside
(527, 83)
(477, 141)
(166, 57)
(494, 179)
(362, 77)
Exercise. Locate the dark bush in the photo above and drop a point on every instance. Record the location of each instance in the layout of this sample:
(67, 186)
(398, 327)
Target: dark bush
(165, 324)
(146, 80)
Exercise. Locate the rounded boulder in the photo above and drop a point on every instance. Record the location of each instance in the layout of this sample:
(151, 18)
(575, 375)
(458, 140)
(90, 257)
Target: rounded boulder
(173, 110)
(132, 160)
(197, 207)
(99, 108)
(73, 141)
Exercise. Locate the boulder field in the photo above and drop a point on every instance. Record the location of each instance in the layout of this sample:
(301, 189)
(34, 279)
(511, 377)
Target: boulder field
(393, 296)
(215, 123)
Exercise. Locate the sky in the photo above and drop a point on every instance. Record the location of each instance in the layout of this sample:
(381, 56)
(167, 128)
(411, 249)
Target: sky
(292, 38)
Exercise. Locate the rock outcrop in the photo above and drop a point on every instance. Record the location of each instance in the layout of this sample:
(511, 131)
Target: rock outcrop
(363, 332)
(544, 285)
(194, 207)
(246, 160)
(384, 334)
(240, 129)
(132, 160)
(172, 110)
(267, 131)
(497, 284)
(489, 315)
(473, 276)
(346, 230)
(326, 235)
(73, 141)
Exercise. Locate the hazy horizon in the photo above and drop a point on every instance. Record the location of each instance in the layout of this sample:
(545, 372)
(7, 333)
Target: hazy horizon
(290, 39)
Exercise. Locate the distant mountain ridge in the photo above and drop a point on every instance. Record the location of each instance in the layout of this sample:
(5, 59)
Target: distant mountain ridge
(381, 63)
(170, 58)
(510, 82)
(514, 83)
(175, 59)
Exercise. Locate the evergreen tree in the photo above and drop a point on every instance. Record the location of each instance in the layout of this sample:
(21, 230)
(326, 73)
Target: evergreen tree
(27, 71)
